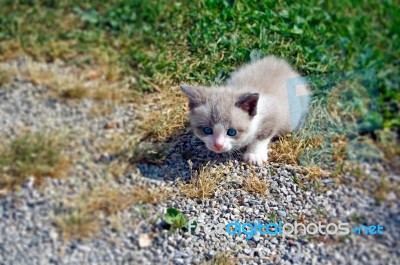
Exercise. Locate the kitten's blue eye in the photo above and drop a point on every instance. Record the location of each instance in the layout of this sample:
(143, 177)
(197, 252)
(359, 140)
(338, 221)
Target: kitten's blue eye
(231, 132)
(207, 130)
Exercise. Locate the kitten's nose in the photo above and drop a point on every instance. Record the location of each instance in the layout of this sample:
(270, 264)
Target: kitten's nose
(218, 146)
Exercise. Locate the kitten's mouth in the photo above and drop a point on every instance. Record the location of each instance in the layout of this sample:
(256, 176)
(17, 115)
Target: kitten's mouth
(218, 151)
(223, 150)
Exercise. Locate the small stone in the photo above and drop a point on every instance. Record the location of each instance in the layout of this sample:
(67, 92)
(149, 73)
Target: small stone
(247, 251)
(257, 237)
(391, 196)
(111, 125)
(296, 258)
(274, 185)
(145, 240)
(210, 254)
(281, 213)
(179, 261)
(284, 190)
(170, 249)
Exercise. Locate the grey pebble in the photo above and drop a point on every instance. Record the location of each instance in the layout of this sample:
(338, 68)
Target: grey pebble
(281, 213)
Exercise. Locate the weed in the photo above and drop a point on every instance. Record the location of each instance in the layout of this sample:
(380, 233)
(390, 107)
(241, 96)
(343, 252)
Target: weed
(77, 225)
(222, 258)
(382, 190)
(202, 184)
(70, 83)
(32, 154)
(255, 185)
(84, 219)
(355, 218)
(152, 153)
(288, 149)
(110, 200)
(5, 77)
(75, 92)
(313, 173)
(297, 181)
(102, 110)
(145, 195)
(175, 219)
(272, 217)
(117, 168)
(166, 115)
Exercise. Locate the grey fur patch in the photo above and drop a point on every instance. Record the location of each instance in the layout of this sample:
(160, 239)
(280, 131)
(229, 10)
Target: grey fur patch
(196, 95)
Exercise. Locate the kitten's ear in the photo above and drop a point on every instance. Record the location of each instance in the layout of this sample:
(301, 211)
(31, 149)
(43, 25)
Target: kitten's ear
(248, 103)
(196, 95)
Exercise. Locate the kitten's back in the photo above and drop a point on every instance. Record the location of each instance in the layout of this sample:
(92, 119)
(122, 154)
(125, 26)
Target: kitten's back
(263, 75)
(274, 78)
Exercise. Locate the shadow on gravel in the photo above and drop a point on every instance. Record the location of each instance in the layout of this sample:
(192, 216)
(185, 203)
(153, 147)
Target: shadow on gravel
(169, 160)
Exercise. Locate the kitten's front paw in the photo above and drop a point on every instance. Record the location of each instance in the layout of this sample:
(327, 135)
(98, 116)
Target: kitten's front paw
(256, 158)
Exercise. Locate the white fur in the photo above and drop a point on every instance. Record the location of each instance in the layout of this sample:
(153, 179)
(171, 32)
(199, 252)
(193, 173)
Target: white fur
(219, 136)
(280, 108)
(257, 152)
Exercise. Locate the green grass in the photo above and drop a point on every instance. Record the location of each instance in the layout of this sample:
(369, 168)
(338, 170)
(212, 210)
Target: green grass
(164, 43)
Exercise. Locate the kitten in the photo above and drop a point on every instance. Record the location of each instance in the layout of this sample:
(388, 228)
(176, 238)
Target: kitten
(259, 101)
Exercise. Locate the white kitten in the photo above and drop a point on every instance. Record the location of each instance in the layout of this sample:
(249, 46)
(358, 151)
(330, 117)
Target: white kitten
(260, 100)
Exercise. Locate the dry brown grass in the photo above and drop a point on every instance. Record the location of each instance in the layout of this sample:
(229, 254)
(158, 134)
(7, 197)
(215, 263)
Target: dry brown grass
(110, 200)
(118, 168)
(10, 51)
(76, 92)
(255, 185)
(287, 149)
(74, 83)
(84, 220)
(382, 190)
(150, 152)
(202, 184)
(32, 155)
(145, 195)
(165, 114)
(101, 110)
(388, 143)
(313, 172)
(78, 225)
(222, 258)
(340, 146)
(119, 142)
(5, 76)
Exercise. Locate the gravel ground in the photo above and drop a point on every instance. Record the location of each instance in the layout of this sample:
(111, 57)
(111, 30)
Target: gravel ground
(29, 235)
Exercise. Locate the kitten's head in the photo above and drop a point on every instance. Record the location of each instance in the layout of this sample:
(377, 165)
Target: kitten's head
(221, 117)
